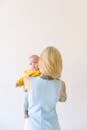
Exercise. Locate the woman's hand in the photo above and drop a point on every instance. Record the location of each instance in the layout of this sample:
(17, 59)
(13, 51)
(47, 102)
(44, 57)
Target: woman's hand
(26, 83)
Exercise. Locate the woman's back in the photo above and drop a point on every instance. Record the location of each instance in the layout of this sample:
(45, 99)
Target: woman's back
(45, 93)
(43, 96)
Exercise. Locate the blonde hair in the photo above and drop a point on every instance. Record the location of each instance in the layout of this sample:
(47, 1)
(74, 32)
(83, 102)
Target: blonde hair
(50, 62)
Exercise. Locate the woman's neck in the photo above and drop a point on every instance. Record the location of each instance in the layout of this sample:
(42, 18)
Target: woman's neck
(46, 77)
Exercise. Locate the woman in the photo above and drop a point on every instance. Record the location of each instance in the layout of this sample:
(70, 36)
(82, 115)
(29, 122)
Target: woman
(45, 91)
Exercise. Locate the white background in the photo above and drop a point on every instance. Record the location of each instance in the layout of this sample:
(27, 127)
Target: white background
(26, 27)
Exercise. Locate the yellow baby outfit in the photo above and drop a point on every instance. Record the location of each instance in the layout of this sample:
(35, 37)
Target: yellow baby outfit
(26, 73)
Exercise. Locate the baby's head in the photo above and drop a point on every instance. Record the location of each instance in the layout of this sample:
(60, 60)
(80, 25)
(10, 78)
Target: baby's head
(33, 62)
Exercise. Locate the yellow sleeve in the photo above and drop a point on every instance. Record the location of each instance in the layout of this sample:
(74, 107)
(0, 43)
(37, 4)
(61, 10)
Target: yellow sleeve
(26, 73)
(20, 81)
(35, 73)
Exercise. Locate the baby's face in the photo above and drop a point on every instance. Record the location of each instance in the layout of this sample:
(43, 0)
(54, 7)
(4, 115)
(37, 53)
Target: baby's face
(33, 63)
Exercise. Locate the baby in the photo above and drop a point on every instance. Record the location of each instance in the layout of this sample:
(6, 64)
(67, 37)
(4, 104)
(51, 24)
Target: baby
(33, 71)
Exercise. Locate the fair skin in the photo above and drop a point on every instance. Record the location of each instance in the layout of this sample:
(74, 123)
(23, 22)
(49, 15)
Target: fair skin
(33, 63)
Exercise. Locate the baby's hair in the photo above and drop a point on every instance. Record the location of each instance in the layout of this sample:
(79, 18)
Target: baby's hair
(34, 56)
(50, 62)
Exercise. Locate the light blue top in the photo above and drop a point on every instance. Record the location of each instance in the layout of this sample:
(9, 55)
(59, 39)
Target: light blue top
(42, 99)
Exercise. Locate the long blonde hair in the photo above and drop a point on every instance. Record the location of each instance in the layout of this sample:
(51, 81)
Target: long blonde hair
(50, 62)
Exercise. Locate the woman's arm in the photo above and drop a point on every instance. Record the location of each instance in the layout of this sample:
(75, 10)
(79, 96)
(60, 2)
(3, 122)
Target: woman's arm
(63, 95)
(26, 84)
